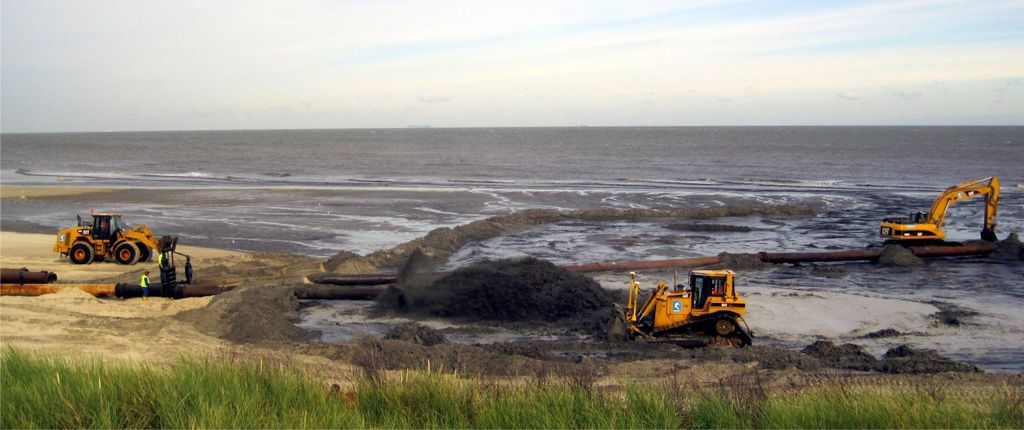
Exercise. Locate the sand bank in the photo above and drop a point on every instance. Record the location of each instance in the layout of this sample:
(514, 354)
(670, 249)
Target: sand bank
(74, 322)
(32, 191)
(35, 252)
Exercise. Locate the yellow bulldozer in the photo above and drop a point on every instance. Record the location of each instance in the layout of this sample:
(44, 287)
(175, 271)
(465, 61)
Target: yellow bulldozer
(107, 237)
(706, 311)
(926, 227)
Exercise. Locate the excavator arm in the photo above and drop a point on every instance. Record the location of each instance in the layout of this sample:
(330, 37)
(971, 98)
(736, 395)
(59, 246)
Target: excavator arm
(988, 187)
(921, 226)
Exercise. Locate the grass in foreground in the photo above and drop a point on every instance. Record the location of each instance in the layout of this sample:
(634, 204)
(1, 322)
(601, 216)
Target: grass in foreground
(53, 393)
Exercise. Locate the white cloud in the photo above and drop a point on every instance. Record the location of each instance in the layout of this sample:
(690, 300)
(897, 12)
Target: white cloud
(433, 99)
(365, 62)
(908, 95)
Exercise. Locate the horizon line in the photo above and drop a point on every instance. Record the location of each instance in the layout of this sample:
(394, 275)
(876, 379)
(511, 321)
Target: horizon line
(427, 127)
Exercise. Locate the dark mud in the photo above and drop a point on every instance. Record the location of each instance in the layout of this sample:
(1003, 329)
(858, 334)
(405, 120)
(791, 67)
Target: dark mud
(829, 271)
(526, 358)
(766, 357)
(896, 255)
(440, 243)
(1009, 248)
(951, 315)
(883, 333)
(508, 292)
(27, 227)
(901, 359)
(687, 226)
(447, 357)
(742, 262)
(415, 333)
(845, 356)
(251, 314)
(904, 359)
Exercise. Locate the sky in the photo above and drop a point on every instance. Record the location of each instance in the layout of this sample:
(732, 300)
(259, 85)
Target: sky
(198, 65)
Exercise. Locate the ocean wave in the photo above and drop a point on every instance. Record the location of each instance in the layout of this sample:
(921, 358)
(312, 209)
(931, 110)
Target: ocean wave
(620, 184)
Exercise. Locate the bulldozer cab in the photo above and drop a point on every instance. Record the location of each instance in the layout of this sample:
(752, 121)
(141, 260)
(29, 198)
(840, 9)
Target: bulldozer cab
(705, 285)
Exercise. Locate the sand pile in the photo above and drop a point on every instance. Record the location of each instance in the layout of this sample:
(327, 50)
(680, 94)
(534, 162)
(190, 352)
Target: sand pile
(896, 255)
(251, 314)
(509, 291)
(440, 243)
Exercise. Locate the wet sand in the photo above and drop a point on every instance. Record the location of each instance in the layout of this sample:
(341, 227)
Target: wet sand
(72, 323)
(29, 191)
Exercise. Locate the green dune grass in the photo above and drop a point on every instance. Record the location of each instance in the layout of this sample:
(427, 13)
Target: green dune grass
(42, 392)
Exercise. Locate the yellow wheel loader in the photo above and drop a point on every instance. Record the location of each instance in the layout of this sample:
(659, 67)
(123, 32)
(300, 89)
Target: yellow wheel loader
(107, 237)
(706, 311)
(921, 227)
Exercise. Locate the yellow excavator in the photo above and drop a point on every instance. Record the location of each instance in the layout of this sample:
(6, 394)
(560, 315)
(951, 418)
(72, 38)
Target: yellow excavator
(106, 237)
(922, 226)
(706, 311)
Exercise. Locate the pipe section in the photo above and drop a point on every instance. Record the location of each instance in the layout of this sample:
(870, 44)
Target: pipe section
(642, 265)
(789, 257)
(347, 280)
(40, 289)
(25, 276)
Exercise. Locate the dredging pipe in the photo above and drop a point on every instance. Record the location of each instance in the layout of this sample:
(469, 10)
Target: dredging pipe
(348, 280)
(788, 257)
(40, 289)
(873, 254)
(123, 291)
(25, 276)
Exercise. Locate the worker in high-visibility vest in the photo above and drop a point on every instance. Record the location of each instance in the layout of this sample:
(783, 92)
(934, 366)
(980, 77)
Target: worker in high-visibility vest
(145, 283)
(161, 261)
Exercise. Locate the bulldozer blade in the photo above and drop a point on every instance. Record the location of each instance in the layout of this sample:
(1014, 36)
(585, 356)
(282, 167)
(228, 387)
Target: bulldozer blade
(617, 330)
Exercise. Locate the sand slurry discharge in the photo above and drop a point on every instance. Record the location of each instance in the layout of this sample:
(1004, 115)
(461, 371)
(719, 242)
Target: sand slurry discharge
(509, 293)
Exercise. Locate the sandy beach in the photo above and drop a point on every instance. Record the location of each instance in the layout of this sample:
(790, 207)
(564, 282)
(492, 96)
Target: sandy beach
(265, 318)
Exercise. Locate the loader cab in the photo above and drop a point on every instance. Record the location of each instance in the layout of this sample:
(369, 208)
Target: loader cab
(106, 226)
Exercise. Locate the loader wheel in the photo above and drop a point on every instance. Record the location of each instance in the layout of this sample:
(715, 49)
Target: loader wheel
(126, 253)
(81, 253)
(724, 327)
(144, 252)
